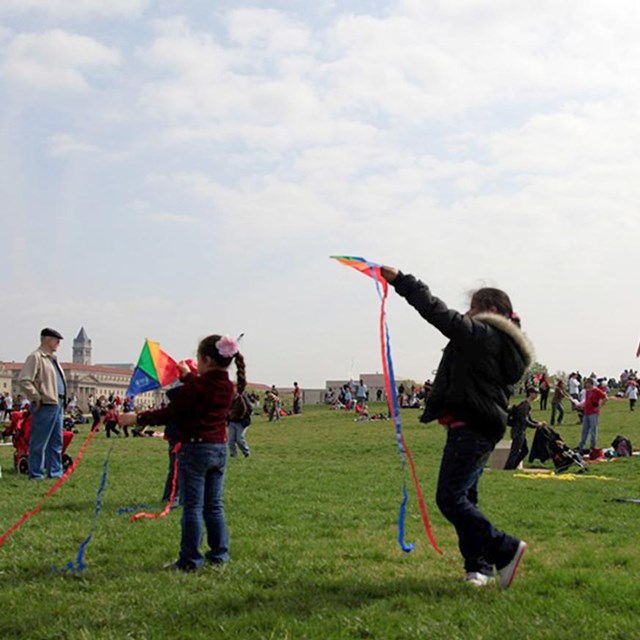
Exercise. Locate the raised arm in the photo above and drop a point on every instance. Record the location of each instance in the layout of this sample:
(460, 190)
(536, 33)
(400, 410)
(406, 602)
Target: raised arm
(449, 322)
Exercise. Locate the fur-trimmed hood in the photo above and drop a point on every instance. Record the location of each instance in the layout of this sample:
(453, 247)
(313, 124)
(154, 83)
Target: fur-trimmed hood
(523, 344)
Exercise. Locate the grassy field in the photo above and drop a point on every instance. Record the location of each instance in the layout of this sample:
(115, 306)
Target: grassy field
(312, 519)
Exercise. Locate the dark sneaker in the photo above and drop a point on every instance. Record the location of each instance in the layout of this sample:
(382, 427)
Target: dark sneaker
(507, 574)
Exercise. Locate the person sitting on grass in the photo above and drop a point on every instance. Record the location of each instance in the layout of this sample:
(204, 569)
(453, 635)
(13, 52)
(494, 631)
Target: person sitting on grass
(362, 412)
(521, 420)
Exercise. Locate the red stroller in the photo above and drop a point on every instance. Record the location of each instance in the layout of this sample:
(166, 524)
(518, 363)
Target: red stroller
(20, 429)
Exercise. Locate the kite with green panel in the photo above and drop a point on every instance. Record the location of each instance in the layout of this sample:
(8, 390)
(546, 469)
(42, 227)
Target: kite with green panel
(155, 369)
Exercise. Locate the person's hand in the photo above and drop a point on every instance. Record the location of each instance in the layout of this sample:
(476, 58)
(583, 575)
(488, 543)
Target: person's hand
(183, 367)
(389, 273)
(127, 419)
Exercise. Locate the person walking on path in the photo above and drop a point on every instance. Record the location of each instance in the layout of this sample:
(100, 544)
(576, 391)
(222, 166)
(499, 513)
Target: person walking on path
(44, 385)
(486, 355)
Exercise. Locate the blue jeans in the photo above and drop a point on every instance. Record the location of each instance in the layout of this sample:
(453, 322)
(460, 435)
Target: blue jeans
(589, 427)
(557, 407)
(202, 469)
(237, 439)
(45, 442)
(482, 546)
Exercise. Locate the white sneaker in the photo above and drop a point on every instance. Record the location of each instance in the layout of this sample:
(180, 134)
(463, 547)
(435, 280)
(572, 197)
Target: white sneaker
(507, 574)
(478, 579)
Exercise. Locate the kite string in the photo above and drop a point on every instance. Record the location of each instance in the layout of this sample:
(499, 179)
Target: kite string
(27, 515)
(172, 496)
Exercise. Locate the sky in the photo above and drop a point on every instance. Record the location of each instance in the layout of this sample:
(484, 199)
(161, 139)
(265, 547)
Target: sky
(173, 169)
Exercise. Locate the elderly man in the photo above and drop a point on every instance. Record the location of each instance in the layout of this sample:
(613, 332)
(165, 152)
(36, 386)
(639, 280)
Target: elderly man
(44, 385)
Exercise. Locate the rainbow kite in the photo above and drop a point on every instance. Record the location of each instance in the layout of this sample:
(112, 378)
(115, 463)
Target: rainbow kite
(372, 270)
(155, 369)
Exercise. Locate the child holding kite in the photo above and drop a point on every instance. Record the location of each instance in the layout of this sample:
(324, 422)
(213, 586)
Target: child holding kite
(487, 353)
(199, 411)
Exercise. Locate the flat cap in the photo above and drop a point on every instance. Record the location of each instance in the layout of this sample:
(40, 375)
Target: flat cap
(51, 333)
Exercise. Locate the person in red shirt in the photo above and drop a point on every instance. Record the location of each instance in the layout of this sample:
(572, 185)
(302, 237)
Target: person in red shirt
(199, 412)
(594, 398)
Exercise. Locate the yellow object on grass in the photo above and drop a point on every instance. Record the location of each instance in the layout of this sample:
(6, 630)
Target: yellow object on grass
(553, 476)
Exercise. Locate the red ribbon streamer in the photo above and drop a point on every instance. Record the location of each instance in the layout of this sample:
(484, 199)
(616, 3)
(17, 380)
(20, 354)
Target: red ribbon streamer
(27, 515)
(172, 497)
(390, 395)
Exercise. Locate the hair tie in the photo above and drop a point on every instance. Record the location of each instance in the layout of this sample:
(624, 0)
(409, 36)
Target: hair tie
(227, 346)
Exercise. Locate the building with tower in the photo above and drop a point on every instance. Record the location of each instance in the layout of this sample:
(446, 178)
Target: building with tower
(81, 348)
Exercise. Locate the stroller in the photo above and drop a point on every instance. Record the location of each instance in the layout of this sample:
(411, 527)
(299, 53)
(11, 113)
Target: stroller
(20, 430)
(547, 444)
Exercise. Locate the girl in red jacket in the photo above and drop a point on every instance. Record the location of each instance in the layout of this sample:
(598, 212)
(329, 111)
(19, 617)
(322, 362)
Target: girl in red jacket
(199, 410)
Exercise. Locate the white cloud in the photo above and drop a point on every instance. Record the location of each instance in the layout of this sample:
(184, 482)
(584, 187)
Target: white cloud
(172, 218)
(76, 8)
(56, 59)
(64, 144)
(266, 29)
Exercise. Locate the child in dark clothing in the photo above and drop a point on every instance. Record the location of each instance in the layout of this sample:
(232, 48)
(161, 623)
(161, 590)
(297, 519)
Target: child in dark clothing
(522, 420)
(486, 355)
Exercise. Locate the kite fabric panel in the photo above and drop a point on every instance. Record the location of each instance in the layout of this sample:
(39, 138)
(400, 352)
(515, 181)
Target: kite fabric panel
(155, 369)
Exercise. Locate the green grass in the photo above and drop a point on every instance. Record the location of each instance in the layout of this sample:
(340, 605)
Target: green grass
(312, 516)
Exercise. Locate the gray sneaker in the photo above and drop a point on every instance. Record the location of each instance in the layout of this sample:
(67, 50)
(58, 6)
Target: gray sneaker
(507, 574)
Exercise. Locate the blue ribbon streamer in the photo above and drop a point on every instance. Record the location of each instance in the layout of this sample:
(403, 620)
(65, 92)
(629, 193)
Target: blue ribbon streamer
(79, 563)
(407, 547)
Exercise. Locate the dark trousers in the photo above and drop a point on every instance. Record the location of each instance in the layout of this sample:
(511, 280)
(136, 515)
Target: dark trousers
(519, 447)
(544, 396)
(557, 407)
(111, 426)
(482, 545)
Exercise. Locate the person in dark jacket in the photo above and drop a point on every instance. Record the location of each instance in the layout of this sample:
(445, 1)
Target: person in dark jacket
(521, 420)
(486, 355)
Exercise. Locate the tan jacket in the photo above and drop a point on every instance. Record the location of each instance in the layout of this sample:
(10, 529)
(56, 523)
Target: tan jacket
(38, 378)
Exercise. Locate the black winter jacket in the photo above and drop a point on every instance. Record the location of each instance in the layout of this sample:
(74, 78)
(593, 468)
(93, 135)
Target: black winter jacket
(485, 357)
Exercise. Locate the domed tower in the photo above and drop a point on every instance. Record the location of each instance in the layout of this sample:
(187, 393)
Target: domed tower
(82, 348)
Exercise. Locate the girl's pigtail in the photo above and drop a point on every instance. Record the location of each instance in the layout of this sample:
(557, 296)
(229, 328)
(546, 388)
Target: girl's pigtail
(241, 373)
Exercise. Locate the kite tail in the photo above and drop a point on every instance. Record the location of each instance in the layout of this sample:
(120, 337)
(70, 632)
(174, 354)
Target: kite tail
(79, 564)
(27, 515)
(172, 497)
(394, 410)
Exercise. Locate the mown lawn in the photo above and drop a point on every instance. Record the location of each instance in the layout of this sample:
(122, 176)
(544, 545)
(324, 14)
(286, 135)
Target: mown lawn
(312, 516)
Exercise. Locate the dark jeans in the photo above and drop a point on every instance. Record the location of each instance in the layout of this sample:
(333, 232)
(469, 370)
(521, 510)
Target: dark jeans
(202, 468)
(557, 407)
(482, 546)
(519, 447)
(544, 397)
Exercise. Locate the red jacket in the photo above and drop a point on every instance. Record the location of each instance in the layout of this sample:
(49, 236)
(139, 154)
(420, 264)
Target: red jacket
(199, 409)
